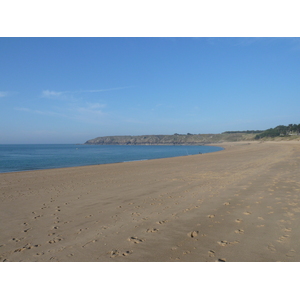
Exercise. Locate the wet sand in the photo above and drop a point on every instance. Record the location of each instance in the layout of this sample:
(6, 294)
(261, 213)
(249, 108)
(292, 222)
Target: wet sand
(241, 204)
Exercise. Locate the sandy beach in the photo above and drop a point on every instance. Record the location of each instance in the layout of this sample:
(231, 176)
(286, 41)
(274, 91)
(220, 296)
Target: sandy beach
(241, 204)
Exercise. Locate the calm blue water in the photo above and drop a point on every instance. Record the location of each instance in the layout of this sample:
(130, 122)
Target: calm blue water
(35, 157)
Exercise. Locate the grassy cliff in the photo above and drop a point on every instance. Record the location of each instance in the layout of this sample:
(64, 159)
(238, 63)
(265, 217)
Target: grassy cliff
(280, 132)
(175, 139)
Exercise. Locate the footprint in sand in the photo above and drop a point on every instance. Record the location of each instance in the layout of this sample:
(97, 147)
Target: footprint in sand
(193, 234)
(282, 238)
(221, 260)
(227, 203)
(271, 248)
(116, 253)
(291, 253)
(240, 231)
(223, 243)
(287, 229)
(152, 230)
(134, 214)
(135, 240)
(162, 222)
(27, 247)
(211, 216)
(20, 249)
(36, 217)
(247, 213)
(56, 240)
(52, 258)
(126, 253)
(211, 253)
(17, 239)
(239, 220)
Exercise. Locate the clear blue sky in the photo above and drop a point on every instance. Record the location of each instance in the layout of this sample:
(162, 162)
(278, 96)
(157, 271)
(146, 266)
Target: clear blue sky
(69, 90)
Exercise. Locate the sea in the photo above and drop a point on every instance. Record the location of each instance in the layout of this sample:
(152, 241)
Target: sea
(15, 158)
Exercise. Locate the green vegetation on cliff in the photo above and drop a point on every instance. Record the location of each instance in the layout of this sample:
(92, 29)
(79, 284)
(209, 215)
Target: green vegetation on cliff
(281, 130)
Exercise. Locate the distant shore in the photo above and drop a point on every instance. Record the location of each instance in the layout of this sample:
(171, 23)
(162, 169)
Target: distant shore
(239, 204)
(175, 139)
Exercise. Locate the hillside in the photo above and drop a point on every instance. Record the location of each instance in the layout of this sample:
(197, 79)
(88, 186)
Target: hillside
(292, 130)
(176, 139)
(281, 132)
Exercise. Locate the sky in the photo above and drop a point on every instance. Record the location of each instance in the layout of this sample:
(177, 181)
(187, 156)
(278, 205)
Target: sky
(70, 90)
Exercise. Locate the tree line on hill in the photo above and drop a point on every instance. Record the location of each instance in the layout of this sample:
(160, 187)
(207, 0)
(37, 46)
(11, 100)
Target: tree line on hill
(281, 130)
(244, 131)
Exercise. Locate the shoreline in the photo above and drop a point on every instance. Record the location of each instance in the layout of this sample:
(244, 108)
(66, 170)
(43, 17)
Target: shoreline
(238, 204)
(50, 168)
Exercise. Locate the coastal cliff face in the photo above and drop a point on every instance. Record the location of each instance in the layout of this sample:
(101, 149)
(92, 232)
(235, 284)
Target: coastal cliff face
(176, 139)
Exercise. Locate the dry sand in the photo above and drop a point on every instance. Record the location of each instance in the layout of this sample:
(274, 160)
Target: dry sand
(239, 204)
